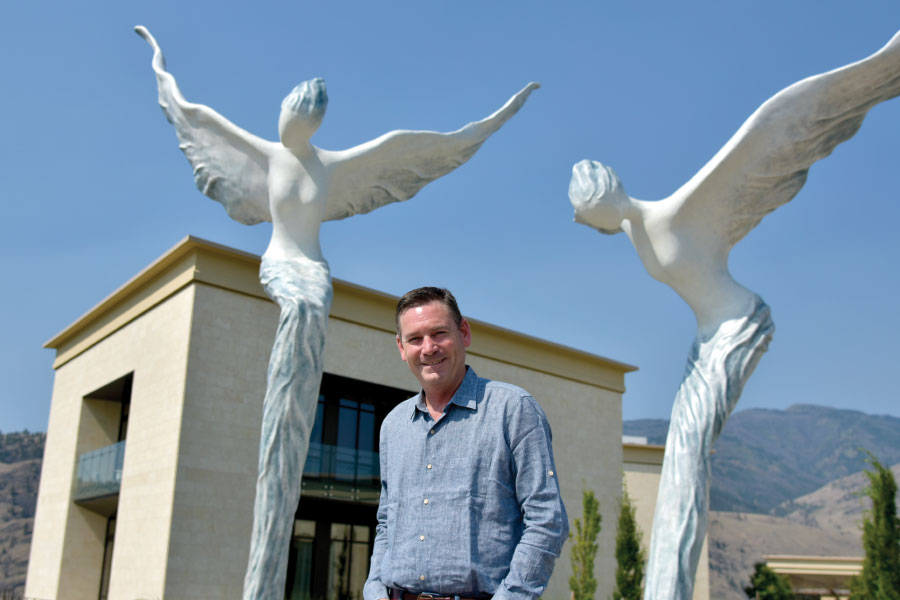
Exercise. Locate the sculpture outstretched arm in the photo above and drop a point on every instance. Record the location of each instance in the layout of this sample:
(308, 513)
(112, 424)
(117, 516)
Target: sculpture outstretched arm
(765, 163)
(395, 166)
(230, 164)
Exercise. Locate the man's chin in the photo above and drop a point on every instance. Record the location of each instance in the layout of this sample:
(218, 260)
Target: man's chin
(431, 375)
(435, 370)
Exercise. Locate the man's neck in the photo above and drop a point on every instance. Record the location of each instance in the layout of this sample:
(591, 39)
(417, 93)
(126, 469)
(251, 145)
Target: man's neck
(437, 400)
(436, 408)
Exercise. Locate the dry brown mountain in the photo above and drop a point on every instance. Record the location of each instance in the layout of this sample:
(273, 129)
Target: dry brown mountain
(20, 468)
(738, 540)
(825, 522)
(837, 506)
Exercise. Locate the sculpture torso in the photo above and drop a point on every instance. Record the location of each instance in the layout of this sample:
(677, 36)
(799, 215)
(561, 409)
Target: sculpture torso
(298, 194)
(691, 263)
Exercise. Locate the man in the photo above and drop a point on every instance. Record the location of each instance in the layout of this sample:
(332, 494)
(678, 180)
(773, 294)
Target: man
(470, 504)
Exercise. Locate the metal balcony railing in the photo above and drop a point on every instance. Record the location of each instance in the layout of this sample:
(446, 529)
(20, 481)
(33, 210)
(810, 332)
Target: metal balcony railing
(100, 472)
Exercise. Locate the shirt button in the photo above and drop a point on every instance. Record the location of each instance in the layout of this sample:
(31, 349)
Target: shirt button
(426, 500)
(421, 578)
(432, 433)
(421, 538)
(429, 466)
(550, 473)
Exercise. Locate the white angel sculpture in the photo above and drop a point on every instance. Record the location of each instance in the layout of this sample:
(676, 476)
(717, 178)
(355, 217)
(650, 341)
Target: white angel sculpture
(684, 241)
(296, 186)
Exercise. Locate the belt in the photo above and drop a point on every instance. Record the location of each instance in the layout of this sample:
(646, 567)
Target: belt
(396, 594)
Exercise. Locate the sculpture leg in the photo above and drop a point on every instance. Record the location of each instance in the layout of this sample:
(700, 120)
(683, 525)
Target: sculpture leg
(303, 291)
(717, 369)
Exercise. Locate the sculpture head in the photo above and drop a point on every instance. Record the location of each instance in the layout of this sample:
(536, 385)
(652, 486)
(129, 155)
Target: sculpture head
(597, 195)
(301, 112)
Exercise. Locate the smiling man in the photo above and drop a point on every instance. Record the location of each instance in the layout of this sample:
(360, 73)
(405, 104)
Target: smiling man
(470, 505)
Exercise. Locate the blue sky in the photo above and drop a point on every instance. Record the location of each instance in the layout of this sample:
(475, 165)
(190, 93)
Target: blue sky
(98, 188)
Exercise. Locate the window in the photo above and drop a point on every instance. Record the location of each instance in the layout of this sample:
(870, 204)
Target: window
(300, 561)
(107, 557)
(335, 521)
(349, 561)
(342, 462)
(330, 550)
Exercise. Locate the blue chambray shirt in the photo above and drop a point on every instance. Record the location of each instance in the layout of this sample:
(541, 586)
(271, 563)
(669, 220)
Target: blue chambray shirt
(470, 504)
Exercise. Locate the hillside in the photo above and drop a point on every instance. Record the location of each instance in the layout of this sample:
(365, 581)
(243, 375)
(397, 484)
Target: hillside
(738, 540)
(824, 523)
(837, 506)
(765, 458)
(20, 468)
(654, 430)
(21, 445)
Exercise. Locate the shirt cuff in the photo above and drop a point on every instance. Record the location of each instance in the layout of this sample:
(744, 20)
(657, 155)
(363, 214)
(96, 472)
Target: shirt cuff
(374, 590)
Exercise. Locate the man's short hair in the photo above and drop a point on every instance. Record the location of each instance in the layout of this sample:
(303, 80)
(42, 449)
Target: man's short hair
(424, 295)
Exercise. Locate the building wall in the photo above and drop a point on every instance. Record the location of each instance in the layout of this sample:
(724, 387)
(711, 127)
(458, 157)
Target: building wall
(196, 331)
(826, 577)
(231, 335)
(642, 467)
(67, 547)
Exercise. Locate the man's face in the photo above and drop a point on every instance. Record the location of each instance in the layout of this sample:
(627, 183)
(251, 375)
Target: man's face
(434, 346)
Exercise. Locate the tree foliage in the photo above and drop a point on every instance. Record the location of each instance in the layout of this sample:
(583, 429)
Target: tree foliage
(630, 557)
(766, 584)
(584, 550)
(21, 445)
(880, 577)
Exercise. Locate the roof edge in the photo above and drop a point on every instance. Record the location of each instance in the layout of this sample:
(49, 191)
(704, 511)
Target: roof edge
(353, 302)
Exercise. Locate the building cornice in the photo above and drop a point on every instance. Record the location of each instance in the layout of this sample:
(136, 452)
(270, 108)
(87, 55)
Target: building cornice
(787, 564)
(647, 454)
(197, 261)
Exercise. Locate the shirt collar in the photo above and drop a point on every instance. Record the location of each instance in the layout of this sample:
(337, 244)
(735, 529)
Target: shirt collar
(465, 395)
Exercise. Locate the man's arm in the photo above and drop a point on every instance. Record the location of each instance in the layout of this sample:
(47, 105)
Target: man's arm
(537, 489)
(374, 588)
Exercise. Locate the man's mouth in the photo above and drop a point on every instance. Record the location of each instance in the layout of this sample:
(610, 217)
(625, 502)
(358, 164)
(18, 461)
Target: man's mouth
(433, 363)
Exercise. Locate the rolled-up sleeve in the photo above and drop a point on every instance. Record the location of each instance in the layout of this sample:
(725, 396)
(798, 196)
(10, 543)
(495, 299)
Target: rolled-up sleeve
(546, 525)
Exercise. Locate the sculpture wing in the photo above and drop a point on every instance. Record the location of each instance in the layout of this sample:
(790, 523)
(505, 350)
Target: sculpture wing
(766, 162)
(230, 164)
(395, 166)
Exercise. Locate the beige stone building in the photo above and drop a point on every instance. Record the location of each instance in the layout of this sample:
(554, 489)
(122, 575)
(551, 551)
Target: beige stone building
(817, 577)
(150, 463)
(642, 466)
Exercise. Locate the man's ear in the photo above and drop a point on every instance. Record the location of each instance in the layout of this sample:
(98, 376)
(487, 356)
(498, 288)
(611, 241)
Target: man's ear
(400, 348)
(466, 333)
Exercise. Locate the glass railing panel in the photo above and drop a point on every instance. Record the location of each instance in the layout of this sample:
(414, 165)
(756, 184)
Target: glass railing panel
(100, 472)
(338, 472)
(344, 464)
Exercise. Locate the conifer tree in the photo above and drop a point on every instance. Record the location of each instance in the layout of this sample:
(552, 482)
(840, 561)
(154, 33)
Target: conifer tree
(880, 577)
(584, 550)
(630, 556)
(766, 584)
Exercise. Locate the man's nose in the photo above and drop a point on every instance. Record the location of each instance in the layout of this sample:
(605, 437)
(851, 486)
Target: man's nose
(428, 345)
